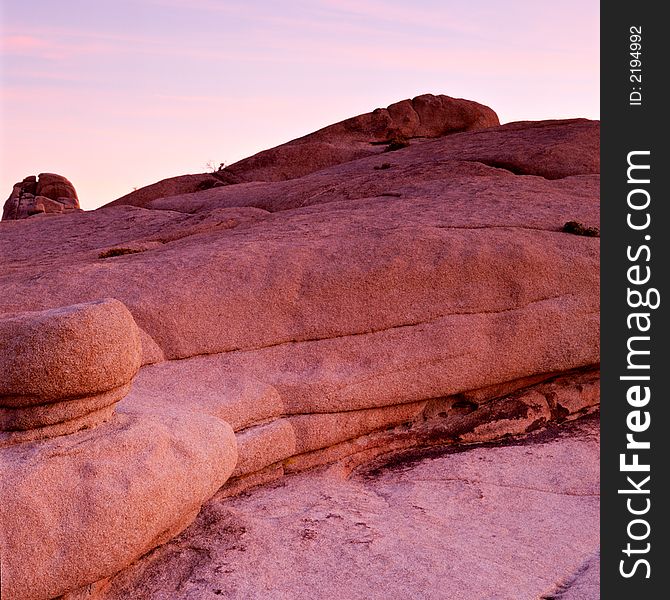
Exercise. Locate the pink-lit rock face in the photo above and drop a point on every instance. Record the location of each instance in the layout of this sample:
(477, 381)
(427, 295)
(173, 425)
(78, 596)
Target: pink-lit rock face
(383, 129)
(426, 116)
(64, 369)
(46, 194)
(101, 498)
(346, 308)
(512, 521)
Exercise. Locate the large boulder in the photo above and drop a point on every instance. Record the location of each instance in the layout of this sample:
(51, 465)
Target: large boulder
(64, 369)
(97, 489)
(77, 508)
(423, 116)
(46, 194)
(426, 116)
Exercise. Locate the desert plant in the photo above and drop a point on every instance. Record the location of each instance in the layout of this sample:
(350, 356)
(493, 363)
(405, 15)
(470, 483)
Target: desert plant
(398, 142)
(577, 228)
(211, 166)
(117, 252)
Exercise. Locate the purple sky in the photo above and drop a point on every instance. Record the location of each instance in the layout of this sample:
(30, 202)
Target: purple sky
(117, 94)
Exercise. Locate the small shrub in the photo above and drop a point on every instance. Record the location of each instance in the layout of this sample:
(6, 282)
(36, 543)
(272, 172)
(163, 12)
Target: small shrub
(117, 252)
(208, 184)
(577, 228)
(385, 165)
(397, 143)
(211, 167)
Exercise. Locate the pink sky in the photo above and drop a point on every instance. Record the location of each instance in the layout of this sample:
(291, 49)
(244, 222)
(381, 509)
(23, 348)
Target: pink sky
(119, 94)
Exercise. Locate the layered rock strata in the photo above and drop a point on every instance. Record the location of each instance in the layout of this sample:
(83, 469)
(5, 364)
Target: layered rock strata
(99, 489)
(64, 369)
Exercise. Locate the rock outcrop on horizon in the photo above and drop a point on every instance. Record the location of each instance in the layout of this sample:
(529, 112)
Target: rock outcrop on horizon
(310, 313)
(425, 116)
(47, 193)
(383, 129)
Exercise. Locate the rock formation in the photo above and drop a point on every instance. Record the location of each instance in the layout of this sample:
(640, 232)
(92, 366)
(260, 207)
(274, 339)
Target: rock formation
(376, 302)
(182, 184)
(383, 129)
(123, 487)
(46, 194)
(426, 116)
(515, 520)
(64, 369)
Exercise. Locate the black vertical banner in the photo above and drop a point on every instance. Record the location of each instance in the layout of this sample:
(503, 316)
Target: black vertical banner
(635, 407)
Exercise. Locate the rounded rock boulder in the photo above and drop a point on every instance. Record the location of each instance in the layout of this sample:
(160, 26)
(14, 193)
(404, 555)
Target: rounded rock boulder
(64, 369)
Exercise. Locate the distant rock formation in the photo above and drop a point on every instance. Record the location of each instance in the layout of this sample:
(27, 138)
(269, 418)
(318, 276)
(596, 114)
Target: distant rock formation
(47, 193)
(423, 116)
(174, 186)
(383, 129)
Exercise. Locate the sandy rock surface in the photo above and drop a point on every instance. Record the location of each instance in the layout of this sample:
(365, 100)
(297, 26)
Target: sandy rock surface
(80, 507)
(512, 522)
(64, 369)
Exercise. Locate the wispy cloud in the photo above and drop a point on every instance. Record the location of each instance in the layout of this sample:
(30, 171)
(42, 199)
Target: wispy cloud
(44, 46)
(247, 9)
(406, 14)
(27, 45)
(43, 75)
(22, 43)
(62, 44)
(342, 17)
